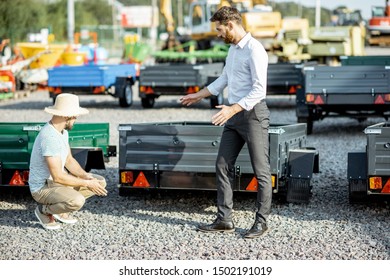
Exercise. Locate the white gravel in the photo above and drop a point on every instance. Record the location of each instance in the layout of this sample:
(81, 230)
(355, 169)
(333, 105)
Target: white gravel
(158, 228)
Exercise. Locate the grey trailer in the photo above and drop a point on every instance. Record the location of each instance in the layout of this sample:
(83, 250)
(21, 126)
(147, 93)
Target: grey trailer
(369, 170)
(182, 155)
(355, 91)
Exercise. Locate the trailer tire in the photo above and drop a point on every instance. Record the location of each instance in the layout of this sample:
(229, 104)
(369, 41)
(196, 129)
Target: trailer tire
(216, 100)
(147, 102)
(127, 97)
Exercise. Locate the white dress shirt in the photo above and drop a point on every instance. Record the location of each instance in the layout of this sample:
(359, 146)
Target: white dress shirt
(245, 73)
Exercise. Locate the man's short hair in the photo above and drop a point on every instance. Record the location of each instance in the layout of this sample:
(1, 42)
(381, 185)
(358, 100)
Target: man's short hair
(226, 14)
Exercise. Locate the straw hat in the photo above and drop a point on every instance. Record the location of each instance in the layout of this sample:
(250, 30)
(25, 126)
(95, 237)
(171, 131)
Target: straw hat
(66, 105)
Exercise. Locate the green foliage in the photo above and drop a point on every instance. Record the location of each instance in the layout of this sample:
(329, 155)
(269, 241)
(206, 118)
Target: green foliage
(292, 9)
(20, 17)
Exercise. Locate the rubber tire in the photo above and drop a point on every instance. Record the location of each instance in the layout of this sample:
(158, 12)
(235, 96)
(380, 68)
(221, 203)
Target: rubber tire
(147, 102)
(127, 99)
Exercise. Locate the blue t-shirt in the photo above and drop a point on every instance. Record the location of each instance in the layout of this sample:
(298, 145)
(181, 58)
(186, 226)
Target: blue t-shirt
(49, 143)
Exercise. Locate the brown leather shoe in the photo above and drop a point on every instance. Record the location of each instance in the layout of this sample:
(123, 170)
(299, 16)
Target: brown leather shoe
(217, 226)
(258, 229)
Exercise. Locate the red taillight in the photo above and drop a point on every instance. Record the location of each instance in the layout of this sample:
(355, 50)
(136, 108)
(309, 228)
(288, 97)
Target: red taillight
(379, 100)
(318, 100)
(127, 177)
(146, 90)
(99, 89)
(16, 179)
(193, 89)
(375, 183)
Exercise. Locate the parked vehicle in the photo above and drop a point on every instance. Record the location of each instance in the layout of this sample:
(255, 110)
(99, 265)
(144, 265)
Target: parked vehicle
(358, 91)
(89, 144)
(284, 78)
(369, 170)
(379, 25)
(177, 79)
(115, 80)
(178, 155)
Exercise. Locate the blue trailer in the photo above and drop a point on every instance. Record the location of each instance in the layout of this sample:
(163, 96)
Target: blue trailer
(115, 80)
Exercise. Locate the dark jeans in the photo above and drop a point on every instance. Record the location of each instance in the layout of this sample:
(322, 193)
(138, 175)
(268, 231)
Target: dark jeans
(250, 127)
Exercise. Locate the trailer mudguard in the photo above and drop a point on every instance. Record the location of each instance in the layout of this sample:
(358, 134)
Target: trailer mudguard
(357, 166)
(357, 177)
(89, 158)
(302, 163)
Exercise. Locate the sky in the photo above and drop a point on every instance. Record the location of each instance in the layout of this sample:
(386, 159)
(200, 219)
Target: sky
(363, 5)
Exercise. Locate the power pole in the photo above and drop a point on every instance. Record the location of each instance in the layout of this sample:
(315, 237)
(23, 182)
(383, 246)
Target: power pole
(318, 13)
(70, 22)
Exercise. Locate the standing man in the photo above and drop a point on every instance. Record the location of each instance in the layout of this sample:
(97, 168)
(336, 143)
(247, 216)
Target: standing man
(246, 120)
(57, 181)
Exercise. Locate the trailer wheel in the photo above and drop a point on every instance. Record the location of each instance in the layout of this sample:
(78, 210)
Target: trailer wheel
(127, 97)
(216, 100)
(308, 121)
(147, 102)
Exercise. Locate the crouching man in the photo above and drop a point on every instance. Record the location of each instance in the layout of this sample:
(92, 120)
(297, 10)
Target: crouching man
(57, 181)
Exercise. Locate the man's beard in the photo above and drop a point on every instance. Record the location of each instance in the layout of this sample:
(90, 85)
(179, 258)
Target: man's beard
(68, 126)
(229, 39)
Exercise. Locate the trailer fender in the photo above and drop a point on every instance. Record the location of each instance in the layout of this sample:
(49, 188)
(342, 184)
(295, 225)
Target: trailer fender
(89, 158)
(357, 177)
(120, 85)
(302, 163)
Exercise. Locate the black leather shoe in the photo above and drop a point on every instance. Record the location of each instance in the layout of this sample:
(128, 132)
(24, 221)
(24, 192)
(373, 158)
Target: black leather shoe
(258, 229)
(217, 226)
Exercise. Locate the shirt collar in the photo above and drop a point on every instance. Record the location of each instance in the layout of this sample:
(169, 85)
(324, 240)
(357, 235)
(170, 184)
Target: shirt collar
(244, 41)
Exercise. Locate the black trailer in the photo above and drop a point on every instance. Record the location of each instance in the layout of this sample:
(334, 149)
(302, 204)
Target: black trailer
(177, 79)
(369, 170)
(358, 91)
(182, 156)
(284, 78)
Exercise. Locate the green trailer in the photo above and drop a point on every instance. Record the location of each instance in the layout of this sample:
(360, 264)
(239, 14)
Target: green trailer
(89, 144)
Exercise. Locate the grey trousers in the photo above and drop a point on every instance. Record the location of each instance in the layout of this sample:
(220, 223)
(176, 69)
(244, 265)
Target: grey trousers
(250, 127)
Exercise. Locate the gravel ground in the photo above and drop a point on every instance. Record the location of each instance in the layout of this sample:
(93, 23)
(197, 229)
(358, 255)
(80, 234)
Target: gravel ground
(164, 227)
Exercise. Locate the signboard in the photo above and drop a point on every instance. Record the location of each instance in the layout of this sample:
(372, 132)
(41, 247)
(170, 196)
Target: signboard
(139, 16)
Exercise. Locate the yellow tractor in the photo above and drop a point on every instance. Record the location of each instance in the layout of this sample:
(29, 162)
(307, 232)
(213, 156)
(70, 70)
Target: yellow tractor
(258, 19)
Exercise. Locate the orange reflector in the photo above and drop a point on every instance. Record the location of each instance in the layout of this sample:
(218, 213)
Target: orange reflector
(252, 186)
(375, 183)
(16, 179)
(127, 177)
(379, 100)
(318, 100)
(292, 89)
(149, 90)
(387, 97)
(99, 89)
(141, 181)
(142, 88)
(310, 98)
(273, 181)
(386, 188)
